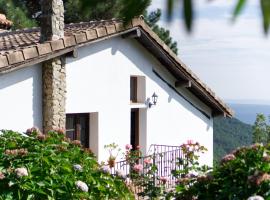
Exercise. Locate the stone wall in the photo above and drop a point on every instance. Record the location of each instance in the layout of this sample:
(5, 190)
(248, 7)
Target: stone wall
(54, 94)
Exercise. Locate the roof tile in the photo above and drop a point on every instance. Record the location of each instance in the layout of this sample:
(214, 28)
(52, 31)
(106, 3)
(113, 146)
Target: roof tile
(101, 31)
(80, 38)
(30, 52)
(44, 48)
(69, 41)
(91, 34)
(110, 29)
(15, 57)
(57, 44)
(119, 26)
(3, 61)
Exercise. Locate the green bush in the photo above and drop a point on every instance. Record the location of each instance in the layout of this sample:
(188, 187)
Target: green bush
(241, 174)
(53, 167)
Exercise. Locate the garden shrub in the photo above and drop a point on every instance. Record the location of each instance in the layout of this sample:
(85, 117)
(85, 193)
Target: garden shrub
(53, 167)
(240, 175)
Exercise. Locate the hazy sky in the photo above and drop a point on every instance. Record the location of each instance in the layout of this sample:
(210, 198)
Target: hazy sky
(233, 59)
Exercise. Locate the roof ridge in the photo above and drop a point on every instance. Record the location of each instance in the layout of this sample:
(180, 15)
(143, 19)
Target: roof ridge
(35, 29)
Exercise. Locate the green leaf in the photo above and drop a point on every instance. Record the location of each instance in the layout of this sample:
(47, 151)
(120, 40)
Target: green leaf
(11, 145)
(265, 8)
(188, 13)
(239, 7)
(170, 4)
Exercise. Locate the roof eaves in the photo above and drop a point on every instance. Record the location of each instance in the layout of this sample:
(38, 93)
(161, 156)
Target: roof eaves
(199, 85)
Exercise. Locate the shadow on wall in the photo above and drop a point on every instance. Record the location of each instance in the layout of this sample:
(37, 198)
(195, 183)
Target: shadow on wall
(19, 76)
(126, 47)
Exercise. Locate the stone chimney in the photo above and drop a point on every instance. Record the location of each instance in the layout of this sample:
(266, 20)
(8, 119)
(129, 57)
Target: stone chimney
(53, 71)
(4, 23)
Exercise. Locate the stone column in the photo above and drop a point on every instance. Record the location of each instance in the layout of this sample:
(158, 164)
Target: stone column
(53, 71)
(52, 20)
(54, 94)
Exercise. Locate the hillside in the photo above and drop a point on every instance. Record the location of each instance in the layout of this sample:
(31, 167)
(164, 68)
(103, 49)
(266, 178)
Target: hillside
(247, 112)
(230, 134)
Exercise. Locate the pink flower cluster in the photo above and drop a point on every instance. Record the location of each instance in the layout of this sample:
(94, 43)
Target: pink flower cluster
(60, 131)
(148, 161)
(258, 178)
(20, 172)
(2, 176)
(227, 158)
(164, 179)
(15, 152)
(128, 147)
(33, 130)
(138, 167)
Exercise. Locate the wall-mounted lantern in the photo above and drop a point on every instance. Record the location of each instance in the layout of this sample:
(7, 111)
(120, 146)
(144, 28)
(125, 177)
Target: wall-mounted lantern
(150, 103)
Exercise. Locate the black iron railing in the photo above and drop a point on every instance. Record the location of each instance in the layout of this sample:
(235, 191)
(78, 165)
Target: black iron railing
(165, 157)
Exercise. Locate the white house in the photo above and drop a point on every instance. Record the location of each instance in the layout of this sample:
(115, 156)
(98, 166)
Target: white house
(110, 76)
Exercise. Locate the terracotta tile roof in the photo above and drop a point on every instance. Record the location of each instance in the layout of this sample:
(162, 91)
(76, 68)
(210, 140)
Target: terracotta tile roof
(22, 48)
(4, 22)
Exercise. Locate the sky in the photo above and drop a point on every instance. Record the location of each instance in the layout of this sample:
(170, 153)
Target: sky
(233, 59)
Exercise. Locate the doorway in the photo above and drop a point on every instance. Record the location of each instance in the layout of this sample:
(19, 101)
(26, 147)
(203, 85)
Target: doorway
(134, 128)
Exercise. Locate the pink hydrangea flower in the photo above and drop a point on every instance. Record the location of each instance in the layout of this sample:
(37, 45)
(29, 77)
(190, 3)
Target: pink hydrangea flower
(189, 142)
(148, 161)
(138, 167)
(128, 147)
(164, 179)
(2, 176)
(20, 172)
(82, 186)
(227, 158)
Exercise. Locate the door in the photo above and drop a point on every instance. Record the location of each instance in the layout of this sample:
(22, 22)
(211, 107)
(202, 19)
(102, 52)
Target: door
(134, 128)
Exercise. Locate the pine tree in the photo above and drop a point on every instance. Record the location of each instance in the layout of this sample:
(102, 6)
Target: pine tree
(152, 20)
(261, 130)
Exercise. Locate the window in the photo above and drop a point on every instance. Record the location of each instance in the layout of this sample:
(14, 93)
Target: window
(137, 89)
(133, 89)
(77, 127)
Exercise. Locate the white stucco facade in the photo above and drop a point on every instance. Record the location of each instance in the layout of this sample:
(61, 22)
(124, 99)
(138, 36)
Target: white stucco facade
(21, 99)
(98, 83)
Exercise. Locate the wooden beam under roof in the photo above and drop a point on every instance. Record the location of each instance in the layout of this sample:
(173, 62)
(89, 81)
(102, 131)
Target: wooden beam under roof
(133, 34)
(183, 84)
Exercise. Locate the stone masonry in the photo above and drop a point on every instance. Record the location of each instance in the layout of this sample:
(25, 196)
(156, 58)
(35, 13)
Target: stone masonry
(53, 71)
(54, 94)
(52, 20)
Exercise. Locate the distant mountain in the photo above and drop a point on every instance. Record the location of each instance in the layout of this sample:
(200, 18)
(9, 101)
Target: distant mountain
(230, 134)
(247, 112)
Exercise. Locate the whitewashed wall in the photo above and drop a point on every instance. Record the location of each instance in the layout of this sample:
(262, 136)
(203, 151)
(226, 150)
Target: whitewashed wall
(100, 83)
(20, 99)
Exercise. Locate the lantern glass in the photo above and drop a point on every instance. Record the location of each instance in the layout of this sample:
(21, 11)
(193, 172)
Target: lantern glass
(154, 98)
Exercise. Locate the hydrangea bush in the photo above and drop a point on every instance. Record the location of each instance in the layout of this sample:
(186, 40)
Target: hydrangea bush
(243, 174)
(53, 167)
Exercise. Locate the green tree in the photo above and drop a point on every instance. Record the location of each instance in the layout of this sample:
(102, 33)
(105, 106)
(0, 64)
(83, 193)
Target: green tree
(260, 130)
(152, 20)
(17, 12)
(104, 9)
